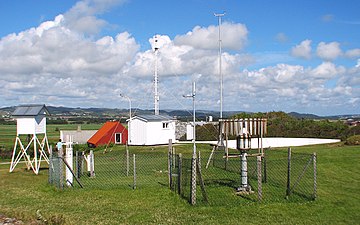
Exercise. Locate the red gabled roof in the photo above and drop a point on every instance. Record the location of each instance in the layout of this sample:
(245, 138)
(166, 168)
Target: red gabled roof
(106, 133)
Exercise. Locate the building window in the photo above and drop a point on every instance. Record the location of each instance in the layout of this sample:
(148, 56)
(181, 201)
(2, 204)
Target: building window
(118, 138)
(165, 125)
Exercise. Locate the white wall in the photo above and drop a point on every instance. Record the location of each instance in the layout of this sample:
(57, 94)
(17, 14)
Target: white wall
(157, 135)
(25, 125)
(40, 126)
(189, 131)
(137, 132)
(31, 125)
(151, 133)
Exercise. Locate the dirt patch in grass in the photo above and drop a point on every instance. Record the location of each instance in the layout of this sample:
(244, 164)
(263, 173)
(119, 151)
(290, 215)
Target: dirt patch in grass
(9, 221)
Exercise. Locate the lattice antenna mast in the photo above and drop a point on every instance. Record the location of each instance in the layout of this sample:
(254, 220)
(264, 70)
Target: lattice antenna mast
(156, 80)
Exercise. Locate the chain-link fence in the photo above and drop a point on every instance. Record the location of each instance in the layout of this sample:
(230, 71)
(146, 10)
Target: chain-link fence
(111, 170)
(280, 176)
(277, 176)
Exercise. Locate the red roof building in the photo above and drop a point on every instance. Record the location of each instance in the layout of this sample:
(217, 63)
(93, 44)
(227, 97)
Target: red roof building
(110, 132)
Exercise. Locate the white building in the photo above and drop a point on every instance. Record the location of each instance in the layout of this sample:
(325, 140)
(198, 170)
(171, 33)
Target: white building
(30, 121)
(78, 136)
(151, 130)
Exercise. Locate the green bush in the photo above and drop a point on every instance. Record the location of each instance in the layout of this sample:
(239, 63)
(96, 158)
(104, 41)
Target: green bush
(353, 140)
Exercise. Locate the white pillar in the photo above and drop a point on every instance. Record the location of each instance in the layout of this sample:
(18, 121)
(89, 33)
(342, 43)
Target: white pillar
(244, 177)
(69, 160)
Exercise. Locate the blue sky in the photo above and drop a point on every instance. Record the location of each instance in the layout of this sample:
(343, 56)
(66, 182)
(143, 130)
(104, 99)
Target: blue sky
(299, 56)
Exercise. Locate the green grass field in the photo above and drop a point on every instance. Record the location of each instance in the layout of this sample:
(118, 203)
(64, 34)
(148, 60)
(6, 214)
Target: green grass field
(8, 132)
(23, 193)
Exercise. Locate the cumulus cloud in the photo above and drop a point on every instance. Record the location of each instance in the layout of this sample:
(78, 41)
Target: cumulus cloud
(353, 53)
(327, 70)
(82, 17)
(182, 60)
(234, 37)
(56, 64)
(285, 86)
(328, 51)
(302, 50)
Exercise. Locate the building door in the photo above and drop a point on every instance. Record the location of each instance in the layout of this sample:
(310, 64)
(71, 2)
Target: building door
(118, 138)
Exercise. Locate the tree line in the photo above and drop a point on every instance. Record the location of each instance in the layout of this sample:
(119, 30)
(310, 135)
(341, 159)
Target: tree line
(280, 124)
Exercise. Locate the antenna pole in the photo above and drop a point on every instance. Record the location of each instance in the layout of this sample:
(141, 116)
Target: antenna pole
(194, 117)
(156, 81)
(193, 161)
(219, 16)
(221, 136)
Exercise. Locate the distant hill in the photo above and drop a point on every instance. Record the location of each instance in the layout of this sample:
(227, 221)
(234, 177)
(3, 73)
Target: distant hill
(181, 114)
(304, 115)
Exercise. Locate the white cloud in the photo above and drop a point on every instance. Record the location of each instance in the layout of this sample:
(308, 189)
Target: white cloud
(56, 64)
(183, 60)
(328, 51)
(82, 17)
(353, 53)
(302, 50)
(326, 70)
(233, 36)
(281, 37)
(53, 62)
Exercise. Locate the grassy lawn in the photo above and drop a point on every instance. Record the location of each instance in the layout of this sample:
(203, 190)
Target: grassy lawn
(23, 193)
(8, 132)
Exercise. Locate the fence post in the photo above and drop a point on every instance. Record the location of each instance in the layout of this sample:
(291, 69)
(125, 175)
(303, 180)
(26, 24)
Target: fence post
(173, 158)
(127, 160)
(288, 186)
(226, 153)
(61, 168)
(92, 164)
(170, 163)
(265, 168)
(259, 178)
(134, 185)
(77, 173)
(179, 173)
(50, 166)
(315, 182)
(82, 162)
(193, 181)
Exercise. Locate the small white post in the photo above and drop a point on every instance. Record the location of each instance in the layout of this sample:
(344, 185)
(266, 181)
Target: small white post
(244, 178)
(91, 162)
(69, 160)
(134, 164)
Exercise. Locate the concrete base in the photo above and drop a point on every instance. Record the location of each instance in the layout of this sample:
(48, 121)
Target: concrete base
(244, 190)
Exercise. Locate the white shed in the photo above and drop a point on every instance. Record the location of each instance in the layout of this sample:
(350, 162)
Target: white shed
(30, 121)
(151, 130)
